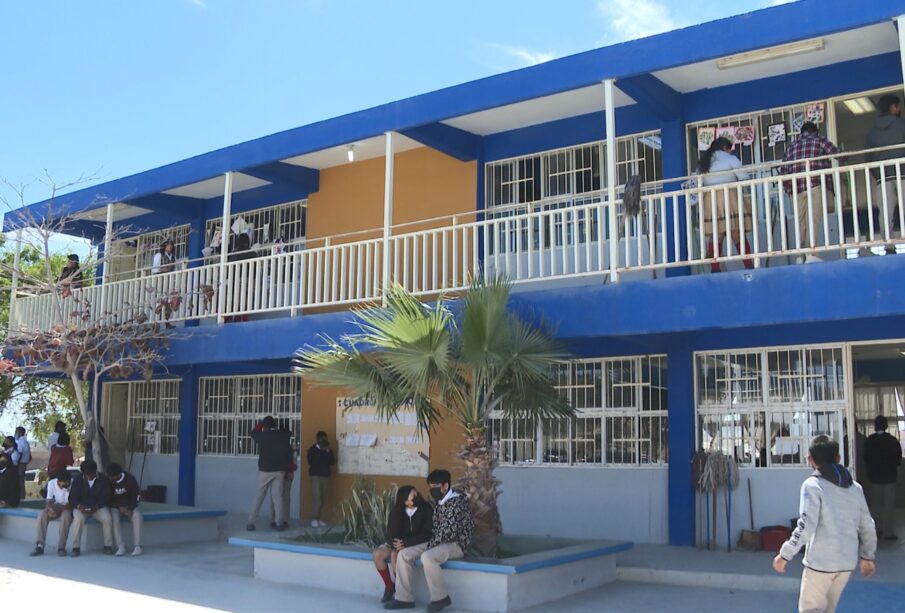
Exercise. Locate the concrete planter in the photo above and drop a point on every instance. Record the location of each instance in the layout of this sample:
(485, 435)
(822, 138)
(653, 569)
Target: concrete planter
(508, 584)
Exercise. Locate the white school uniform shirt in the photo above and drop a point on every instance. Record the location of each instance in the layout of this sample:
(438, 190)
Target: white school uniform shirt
(720, 162)
(24, 450)
(57, 493)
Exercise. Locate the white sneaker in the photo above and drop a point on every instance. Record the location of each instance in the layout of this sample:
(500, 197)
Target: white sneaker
(121, 551)
(315, 523)
(322, 524)
(136, 551)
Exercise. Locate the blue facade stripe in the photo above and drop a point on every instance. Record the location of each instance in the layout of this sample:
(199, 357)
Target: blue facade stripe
(681, 496)
(188, 438)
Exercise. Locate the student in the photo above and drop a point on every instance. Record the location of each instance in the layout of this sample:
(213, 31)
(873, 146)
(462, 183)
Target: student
(719, 167)
(883, 456)
(835, 525)
(56, 507)
(451, 529)
(408, 524)
(888, 130)
(58, 429)
(124, 503)
(11, 452)
(71, 277)
(287, 486)
(24, 450)
(89, 495)
(274, 454)
(164, 260)
(61, 456)
(320, 459)
(9, 483)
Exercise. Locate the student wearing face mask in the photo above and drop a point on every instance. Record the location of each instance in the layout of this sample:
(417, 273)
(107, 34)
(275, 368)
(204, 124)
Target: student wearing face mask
(451, 528)
(408, 524)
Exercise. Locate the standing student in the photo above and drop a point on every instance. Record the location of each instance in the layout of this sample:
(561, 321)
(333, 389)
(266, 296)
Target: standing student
(835, 525)
(320, 459)
(124, 503)
(451, 529)
(58, 429)
(883, 456)
(165, 259)
(719, 167)
(61, 456)
(89, 496)
(888, 130)
(287, 485)
(9, 483)
(71, 276)
(24, 450)
(408, 524)
(274, 455)
(56, 507)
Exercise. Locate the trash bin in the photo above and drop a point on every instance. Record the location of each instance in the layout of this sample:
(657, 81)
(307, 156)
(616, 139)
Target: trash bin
(155, 493)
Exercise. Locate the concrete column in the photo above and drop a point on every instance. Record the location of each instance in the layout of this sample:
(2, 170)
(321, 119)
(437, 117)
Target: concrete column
(224, 243)
(680, 385)
(188, 438)
(900, 26)
(387, 212)
(672, 136)
(611, 178)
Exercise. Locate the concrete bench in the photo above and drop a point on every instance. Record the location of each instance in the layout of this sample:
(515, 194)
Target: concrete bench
(508, 584)
(163, 525)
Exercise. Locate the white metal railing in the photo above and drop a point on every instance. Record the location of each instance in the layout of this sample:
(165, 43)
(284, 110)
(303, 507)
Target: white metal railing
(558, 238)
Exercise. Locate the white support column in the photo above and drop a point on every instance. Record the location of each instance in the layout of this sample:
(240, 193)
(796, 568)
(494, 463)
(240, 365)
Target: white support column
(14, 287)
(900, 26)
(105, 275)
(611, 178)
(387, 214)
(224, 243)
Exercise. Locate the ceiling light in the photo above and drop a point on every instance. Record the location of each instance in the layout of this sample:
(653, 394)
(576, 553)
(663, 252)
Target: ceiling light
(770, 53)
(860, 106)
(350, 153)
(652, 142)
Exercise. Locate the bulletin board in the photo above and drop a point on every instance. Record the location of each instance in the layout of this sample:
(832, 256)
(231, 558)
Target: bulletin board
(369, 446)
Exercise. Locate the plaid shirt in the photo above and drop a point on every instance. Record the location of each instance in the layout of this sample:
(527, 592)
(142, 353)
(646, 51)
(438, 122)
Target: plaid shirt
(808, 146)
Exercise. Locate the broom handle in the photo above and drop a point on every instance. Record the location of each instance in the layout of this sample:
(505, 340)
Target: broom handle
(750, 505)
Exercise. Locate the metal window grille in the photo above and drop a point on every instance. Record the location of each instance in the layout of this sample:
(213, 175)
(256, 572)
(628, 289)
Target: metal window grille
(622, 417)
(152, 415)
(136, 254)
(286, 221)
(230, 407)
(762, 406)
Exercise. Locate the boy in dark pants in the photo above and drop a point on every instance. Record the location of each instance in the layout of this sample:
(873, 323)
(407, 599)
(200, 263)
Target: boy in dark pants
(836, 526)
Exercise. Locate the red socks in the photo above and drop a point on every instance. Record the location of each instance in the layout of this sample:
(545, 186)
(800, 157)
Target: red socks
(385, 575)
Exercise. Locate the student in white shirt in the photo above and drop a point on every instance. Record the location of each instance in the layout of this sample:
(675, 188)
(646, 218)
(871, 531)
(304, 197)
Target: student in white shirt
(718, 167)
(57, 507)
(165, 259)
(24, 450)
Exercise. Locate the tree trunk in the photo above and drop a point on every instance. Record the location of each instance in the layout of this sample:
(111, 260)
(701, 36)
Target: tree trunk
(483, 489)
(92, 433)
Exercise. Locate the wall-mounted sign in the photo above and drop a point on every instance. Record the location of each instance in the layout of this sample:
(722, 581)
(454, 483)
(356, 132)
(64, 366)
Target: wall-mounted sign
(370, 446)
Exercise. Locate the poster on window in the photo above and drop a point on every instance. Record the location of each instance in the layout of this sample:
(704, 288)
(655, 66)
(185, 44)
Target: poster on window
(369, 446)
(776, 133)
(745, 135)
(727, 132)
(815, 112)
(705, 137)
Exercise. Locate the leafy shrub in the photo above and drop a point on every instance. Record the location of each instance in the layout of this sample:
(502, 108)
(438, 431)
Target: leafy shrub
(365, 513)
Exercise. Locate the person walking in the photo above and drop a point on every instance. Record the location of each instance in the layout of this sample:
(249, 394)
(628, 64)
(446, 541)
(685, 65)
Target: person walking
(124, 499)
(836, 526)
(883, 456)
(56, 507)
(89, 496)
(320, 459)
(274, 455)
(408, 524)
(451, 528)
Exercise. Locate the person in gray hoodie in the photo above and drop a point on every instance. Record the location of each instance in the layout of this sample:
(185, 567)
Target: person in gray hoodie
(888, 130)
(836, 526)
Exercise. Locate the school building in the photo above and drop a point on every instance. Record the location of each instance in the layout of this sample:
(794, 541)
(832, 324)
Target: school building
(682, 339)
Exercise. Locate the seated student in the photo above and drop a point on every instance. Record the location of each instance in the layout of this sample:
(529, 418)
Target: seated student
(124, 503)
(57, 507)
(9, 483)
(89, 495)
(451, 529)
(60, 455)
(408, 524)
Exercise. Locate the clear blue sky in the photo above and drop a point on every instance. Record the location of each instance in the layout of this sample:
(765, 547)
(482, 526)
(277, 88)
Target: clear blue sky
(115, 87)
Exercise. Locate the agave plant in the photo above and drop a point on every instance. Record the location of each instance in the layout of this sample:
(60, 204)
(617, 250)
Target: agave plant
(462, 365)
(365, 513)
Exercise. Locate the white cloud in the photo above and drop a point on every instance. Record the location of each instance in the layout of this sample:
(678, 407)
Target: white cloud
(631, 19)
(778, 2)
(525, 57)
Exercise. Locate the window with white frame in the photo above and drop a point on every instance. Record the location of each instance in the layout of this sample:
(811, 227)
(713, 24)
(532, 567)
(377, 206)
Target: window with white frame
(286, 222)
(230, 407)
(762, 406)
(136, 254)
(621, 418)
(153, 416)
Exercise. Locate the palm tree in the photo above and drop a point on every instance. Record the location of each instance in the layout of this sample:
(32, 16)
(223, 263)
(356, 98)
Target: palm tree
(461, 365)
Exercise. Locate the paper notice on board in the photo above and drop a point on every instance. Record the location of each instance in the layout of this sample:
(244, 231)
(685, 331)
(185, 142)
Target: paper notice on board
(372, 446)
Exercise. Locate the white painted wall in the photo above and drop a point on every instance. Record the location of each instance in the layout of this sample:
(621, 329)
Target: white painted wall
(585, 502)
(775, 495)
(228, 484)
(158, 470)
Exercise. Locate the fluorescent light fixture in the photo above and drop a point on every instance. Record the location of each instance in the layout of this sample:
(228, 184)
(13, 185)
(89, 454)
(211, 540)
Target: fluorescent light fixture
(653, 142)
(860, 106)
(770, 53)
(350, 153)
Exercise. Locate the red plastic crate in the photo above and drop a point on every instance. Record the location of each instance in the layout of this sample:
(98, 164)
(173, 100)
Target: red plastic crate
(773, 537)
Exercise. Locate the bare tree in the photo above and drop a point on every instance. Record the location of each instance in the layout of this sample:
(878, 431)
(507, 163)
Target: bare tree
(81, 340)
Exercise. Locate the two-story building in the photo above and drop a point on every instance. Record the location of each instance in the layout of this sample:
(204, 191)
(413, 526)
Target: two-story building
(685, 335)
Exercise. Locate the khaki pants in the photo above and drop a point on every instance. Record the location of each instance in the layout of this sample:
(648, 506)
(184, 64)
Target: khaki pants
(272, 481)
(44, 519)
(137, 520)
(287, 493)
(78, 522)
(318, 494)
(817, 214)
(890, 190)
(883, 506)
(431, 559)
(820, 592)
